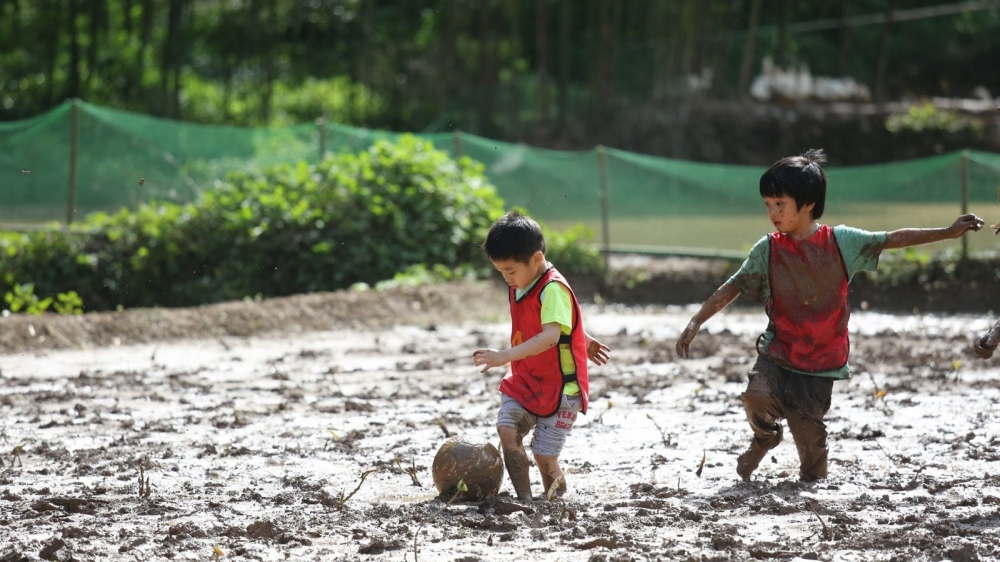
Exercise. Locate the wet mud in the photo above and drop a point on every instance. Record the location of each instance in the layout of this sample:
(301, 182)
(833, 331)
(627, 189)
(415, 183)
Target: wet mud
(318, 445)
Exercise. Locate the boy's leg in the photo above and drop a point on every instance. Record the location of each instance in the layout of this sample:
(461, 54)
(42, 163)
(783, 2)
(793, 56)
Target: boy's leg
(548, 440)
(807, 400)
(513, 423)
(516, 461)
(763, 408)
(551, 472)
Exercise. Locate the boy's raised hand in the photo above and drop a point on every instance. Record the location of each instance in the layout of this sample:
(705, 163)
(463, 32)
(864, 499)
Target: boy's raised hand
(597, 351)
(966, 223)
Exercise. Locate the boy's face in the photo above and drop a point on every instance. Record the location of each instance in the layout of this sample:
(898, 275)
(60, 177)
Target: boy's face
(519, 275)
(788, 218)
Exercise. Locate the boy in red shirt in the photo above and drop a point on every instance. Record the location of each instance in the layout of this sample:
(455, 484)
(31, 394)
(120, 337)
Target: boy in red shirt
(800, 274)
(547, 384)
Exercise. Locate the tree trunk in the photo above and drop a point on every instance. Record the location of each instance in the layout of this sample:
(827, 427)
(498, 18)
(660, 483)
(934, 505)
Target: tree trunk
(601, 67)
(485, 68)
(145, 31)
(565, 48)
(98, 27)
(73, 85)
(883, 53)
(657, 30)
(746, 65)
(783, 58)
(268, 55)
(127, 17)
(169, 59)
(845, 39)
(542, 59)
(51, 47)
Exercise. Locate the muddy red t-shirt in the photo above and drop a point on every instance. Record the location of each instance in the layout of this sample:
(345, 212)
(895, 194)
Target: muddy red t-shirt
(810, 283)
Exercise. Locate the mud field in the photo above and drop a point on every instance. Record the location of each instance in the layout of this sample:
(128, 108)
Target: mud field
(304, 429)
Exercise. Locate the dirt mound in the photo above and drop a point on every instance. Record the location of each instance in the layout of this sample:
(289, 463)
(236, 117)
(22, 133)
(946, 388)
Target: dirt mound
(425, 306)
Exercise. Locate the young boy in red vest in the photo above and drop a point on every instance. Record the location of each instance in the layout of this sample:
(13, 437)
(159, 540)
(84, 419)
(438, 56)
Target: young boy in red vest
(547, 384)
(800, 274)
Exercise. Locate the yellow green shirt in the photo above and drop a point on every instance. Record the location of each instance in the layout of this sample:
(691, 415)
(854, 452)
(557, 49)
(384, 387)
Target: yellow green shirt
(557, 306)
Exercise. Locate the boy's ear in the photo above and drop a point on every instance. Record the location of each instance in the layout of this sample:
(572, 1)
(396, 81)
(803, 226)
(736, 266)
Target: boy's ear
(809, 207)
(537, 258)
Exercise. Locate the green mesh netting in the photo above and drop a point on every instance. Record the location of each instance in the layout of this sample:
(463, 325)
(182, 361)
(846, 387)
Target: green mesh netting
(123, 159)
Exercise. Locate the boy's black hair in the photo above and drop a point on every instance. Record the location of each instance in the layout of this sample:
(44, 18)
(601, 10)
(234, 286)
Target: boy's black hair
(514, 237)
(800, 177)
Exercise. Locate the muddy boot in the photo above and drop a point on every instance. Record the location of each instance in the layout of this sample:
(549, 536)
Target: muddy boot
(517, 469)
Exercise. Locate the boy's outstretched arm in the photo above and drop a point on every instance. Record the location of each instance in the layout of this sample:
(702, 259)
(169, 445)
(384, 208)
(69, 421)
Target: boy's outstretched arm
(906, 237)
(722, 296)
(489, 358)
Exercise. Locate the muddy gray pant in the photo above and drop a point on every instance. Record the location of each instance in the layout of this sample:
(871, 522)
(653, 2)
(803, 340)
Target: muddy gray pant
(774, 393)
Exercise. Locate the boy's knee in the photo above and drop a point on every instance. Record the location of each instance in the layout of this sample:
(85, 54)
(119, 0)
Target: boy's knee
(510, 437)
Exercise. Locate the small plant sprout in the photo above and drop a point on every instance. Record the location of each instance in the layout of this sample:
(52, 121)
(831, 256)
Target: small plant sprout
(16, 454)
(217, 553)
(440, 423)
(664, 436)
(701, 465)
(601, 416)
(411, 470)
(879, 395)
(334, 437)
(460, 488)
(812, 507)
(144, 488)
(342, 500)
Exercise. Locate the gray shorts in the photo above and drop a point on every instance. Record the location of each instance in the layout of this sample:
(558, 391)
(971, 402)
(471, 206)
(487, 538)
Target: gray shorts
(549, 433)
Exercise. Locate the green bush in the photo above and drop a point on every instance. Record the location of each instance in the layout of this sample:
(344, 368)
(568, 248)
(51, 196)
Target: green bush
(289, 229)
(573, 253)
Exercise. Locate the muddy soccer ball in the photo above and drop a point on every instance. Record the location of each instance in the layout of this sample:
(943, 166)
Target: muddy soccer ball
(478, 465)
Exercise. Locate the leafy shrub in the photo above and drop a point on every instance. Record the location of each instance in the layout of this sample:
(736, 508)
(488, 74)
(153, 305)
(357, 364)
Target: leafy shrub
(289, 229)
(933, 128)
(572, 252)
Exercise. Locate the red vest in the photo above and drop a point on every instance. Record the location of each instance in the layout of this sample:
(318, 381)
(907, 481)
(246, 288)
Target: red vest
(808, 305)
(537, 382)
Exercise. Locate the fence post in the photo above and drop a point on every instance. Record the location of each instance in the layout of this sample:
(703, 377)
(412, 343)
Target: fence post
(459, 149)
(605, 211)
(965, 201)
(321, 126)
(74, 146)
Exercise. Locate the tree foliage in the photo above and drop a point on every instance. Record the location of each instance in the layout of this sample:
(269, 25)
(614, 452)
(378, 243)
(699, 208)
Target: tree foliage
(493, 67)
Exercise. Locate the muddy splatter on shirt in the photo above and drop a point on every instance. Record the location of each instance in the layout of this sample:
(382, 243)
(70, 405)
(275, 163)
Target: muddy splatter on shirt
(809, 283)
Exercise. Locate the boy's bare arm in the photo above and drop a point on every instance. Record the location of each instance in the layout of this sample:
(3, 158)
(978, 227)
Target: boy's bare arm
(722, 296)
(489, 358)
(906, 237)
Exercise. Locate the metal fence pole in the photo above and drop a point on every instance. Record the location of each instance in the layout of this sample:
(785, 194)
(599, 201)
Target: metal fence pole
(965, 200)
(74, 146)
(459, 149)
(321, 126)
(605, 207)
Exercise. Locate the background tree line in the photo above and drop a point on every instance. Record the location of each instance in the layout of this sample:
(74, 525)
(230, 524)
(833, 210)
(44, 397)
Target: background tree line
(510, 69)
